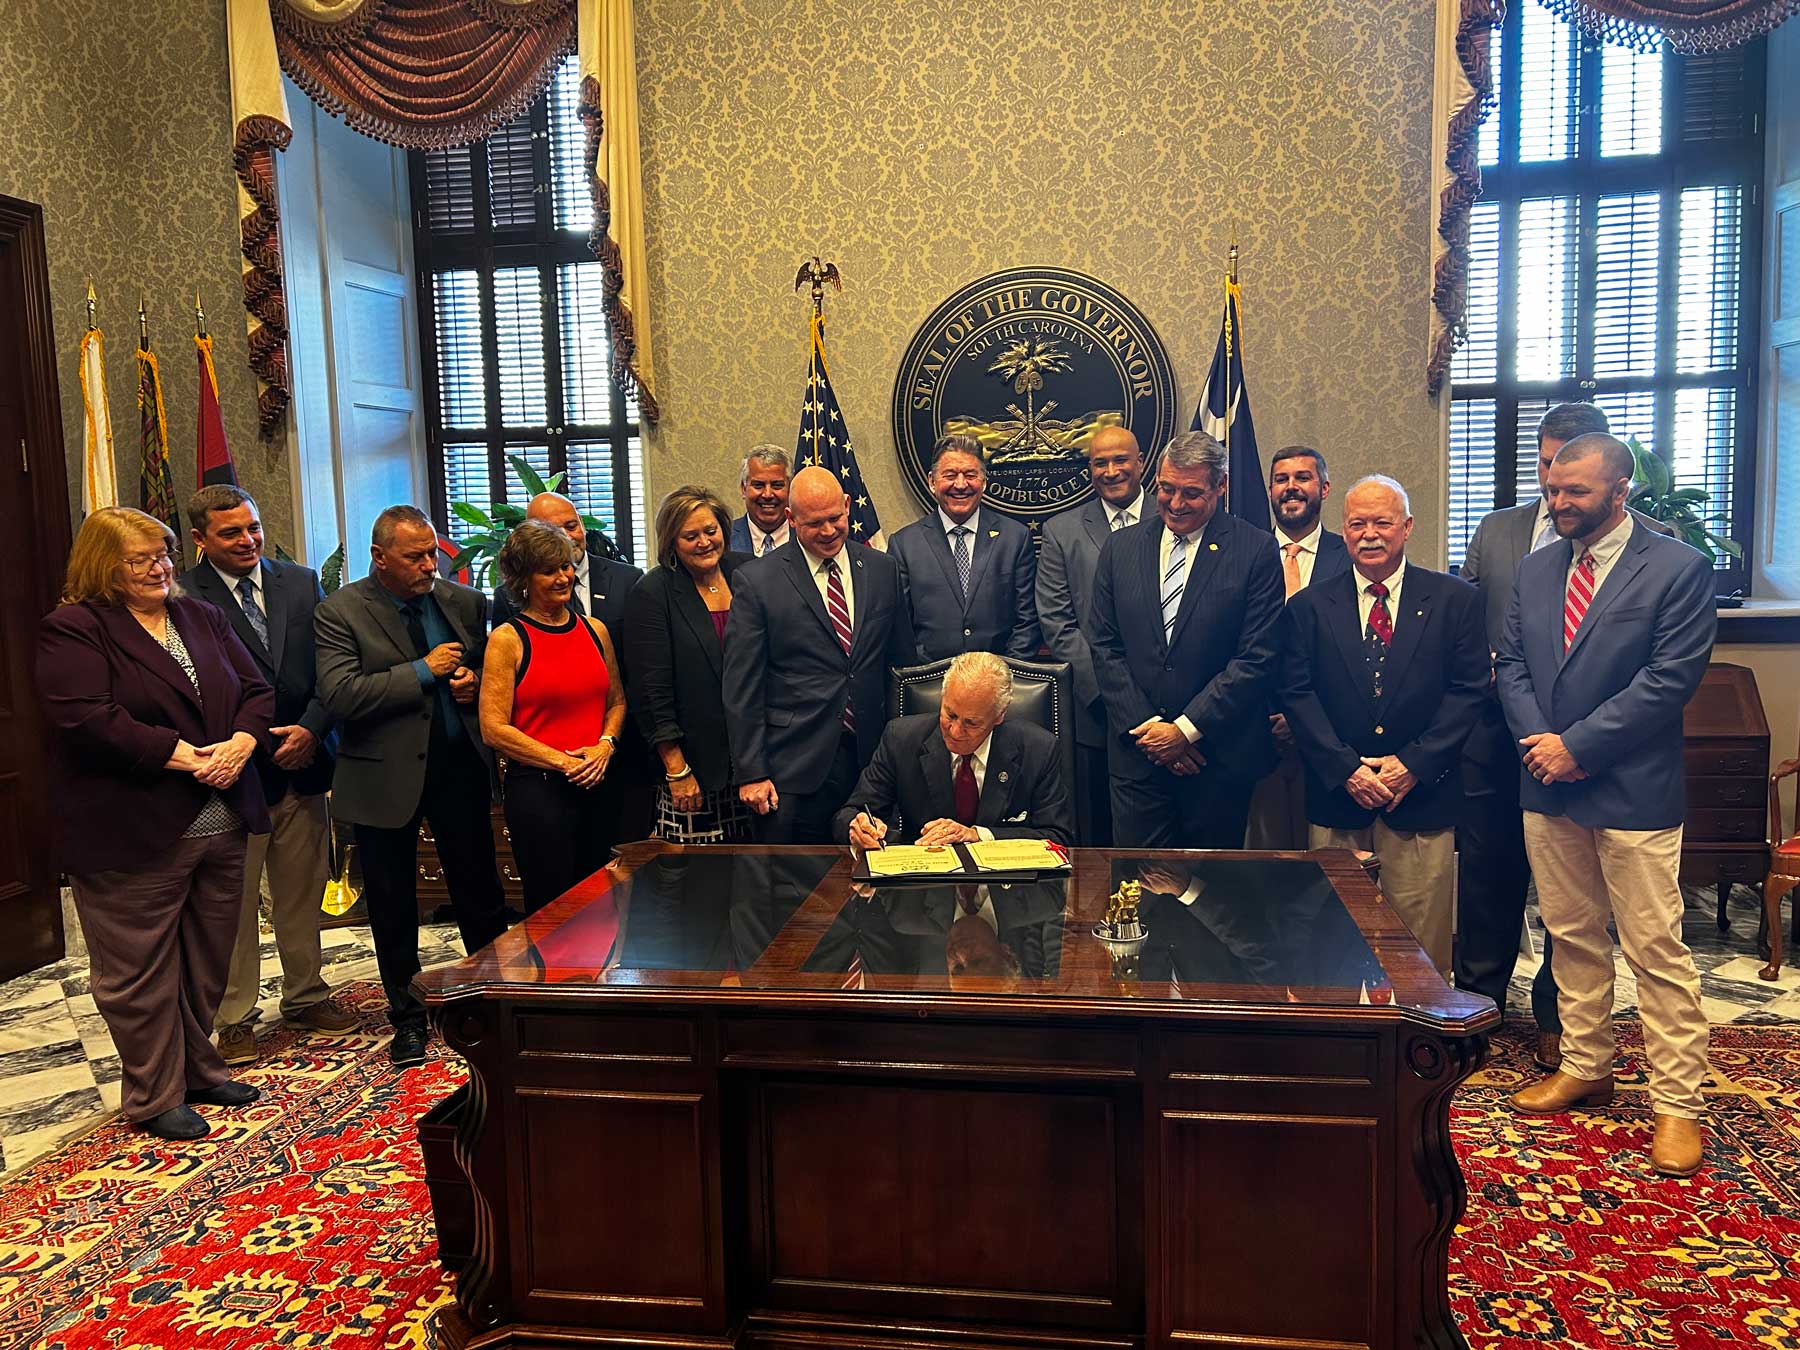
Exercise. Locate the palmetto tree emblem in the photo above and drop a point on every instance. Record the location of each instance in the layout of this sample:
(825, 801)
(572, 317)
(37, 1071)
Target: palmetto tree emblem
(1025, 364)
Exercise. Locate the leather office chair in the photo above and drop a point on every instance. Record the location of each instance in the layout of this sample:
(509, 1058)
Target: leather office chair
(1784, 868)
(1043, 694)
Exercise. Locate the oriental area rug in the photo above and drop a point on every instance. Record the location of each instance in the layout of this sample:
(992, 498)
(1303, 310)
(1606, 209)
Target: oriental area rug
(303, 1219)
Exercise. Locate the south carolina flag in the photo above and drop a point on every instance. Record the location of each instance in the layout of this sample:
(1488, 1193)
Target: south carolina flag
(213, 458)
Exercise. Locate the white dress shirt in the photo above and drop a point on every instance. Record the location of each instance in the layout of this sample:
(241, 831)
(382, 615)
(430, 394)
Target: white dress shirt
(1365, 603)
(1308, 554)
(762, 541)
(817, 566)
(1122, 517)
(231, 583)
(972, 525)
(1606, 553)
(978, 766)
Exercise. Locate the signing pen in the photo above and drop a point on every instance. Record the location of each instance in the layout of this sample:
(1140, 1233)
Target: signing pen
(879, 843)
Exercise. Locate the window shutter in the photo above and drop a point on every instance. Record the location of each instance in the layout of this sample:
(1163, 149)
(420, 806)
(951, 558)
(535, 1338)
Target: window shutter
(466, 478)
(590, 483)
(519, 346)
(1471, 471)
(568, 175)
(1479, 357)
(450, 190)
(1627, 229)
(1706, 305)
(581, 308)
(1549, 86)
(1714, 96)
(462, 372)
(1631, 101)
(1546, 257)
(512, 176)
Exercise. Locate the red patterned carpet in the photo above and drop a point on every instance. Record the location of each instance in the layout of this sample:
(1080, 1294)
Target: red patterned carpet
(303, 1220)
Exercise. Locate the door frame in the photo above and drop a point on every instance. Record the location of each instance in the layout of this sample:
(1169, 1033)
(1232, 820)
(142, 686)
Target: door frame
(22, 227)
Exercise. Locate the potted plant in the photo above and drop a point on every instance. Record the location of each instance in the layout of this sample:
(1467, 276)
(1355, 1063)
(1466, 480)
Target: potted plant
(1679, 508)
(477, 552)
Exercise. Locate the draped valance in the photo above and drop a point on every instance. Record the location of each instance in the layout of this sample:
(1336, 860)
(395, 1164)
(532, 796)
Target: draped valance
(422, 75)
(1465, 92)
(1688, 26)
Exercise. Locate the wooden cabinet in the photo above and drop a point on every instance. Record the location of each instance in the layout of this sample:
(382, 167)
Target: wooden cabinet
(432, 889)
(1724, 840)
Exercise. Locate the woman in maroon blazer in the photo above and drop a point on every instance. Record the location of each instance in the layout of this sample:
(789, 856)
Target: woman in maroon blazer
(154, 709)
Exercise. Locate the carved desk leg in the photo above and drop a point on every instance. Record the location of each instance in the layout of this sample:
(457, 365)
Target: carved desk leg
(471, 1028)
(1432, 1194)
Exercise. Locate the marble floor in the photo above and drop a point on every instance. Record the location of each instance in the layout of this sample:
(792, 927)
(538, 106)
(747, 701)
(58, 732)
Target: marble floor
(59, 1075)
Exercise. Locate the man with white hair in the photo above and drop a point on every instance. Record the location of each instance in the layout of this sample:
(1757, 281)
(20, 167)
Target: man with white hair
(763, 480)
(1384, 671)
(962, 774)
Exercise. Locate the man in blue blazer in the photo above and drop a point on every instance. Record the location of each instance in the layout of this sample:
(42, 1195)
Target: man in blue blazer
(763, 481)
(1384, 669)
(1065, 593)
(815, 627)
(1607, 638)
(970, 574)
(270, 606)
(1185, 605)
(1299, 483)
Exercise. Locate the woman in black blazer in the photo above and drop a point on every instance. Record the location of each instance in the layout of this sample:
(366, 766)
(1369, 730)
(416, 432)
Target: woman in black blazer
(675, 631)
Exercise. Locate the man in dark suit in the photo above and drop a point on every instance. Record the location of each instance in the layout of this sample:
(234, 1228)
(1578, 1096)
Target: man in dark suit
(969, 573)
(763, 480)
(1607, 638)
(1492, 873)
(1298, 486)
(399, 660)
(270, 607)
(815, 627)
(1185, 605)
(1065, 590)
(1383, 671)
(962, 774)
(601, 584)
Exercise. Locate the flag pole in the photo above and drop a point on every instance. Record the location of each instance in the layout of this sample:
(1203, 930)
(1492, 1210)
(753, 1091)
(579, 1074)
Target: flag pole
(1231, 274)
(199, 317)
(143, 325)
(91, 325)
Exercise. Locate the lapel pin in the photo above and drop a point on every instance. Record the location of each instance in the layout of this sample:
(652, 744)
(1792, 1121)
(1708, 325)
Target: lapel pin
(993, 534)
(1213, 548)
(1003, 771)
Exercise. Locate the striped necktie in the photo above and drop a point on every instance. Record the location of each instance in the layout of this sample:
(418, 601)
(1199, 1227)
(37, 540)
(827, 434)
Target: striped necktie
(1173, 582)
(253, 611)
(1579, 597)
(839, 610)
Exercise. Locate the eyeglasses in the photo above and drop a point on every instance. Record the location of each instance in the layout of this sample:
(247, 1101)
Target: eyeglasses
(154, 563)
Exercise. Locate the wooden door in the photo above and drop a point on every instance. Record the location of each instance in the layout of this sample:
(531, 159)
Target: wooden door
(34, 543)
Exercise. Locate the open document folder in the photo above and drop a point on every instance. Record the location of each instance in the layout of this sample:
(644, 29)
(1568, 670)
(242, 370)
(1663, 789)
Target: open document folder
(999, 855)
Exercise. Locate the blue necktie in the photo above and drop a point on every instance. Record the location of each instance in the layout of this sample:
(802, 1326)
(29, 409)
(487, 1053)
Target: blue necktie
(961, 535)
(253, 611)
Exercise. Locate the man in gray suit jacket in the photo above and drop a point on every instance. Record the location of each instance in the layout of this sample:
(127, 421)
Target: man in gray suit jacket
(968, 572)
(399, 656)
(1606, 639)
(1065, 591)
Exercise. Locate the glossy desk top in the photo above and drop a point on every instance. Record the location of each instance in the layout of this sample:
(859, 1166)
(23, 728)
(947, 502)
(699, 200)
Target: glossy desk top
(778, 924)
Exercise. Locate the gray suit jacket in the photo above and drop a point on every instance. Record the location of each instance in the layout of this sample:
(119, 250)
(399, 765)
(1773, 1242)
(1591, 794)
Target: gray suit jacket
(1065, 594)
(367, 681)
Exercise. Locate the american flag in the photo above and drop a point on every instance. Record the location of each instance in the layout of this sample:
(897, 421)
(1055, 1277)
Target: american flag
(825, 440)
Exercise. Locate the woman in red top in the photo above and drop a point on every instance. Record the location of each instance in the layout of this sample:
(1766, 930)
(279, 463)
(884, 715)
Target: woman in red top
(553, 704)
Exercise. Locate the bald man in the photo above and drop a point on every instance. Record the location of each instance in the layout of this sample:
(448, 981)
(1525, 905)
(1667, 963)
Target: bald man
(1384, 671)
(815, 627)
(1065, 592)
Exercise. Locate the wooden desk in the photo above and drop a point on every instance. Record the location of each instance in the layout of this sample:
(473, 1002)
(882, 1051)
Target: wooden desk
(1724, 839)
(717, 1099)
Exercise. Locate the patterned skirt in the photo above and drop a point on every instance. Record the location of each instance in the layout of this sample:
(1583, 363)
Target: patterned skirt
(721, 819)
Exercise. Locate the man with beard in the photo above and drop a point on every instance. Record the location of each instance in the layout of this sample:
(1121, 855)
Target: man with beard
(1299, 483)
(1185, 604)
(1065, 591)
(1607, 638)
(764, 482)
(969, 572)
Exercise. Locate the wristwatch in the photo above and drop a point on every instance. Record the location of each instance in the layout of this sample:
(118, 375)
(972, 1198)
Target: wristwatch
(614, 740)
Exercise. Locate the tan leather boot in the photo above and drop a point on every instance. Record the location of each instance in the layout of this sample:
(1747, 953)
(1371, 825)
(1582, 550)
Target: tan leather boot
(1559, 1092)
(1548, 1052)
(1677, 1148)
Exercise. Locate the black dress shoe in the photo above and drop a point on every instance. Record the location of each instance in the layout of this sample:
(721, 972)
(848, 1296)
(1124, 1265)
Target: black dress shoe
(178, 1122)
(408, 1046)
(228, 1093)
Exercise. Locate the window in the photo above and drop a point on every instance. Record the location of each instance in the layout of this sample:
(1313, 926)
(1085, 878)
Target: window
(1614, 258)
(517, 356)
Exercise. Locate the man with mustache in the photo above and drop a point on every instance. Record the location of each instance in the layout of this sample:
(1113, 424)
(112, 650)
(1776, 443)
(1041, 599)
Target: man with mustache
(764, 482)
(1607, 638)
(970, 572)
(1185, 604)
(1299, 483)
(1065, 589)
(1384, 669)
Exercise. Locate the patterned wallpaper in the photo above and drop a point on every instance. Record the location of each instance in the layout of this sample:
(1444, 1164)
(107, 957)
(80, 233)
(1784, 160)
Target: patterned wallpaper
(920, 149)
(115, 116)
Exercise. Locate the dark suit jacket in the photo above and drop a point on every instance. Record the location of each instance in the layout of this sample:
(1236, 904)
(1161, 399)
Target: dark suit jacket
(1023, 795)
(1616, 697)
(1065, 590)
(1219, 671)
(116, 703)
(740, 541)
(787, 678)
(367, 682)
(1435, 680)
(999, 614)
(290, 595)
(1027, 918)
(1333, 559)
(678, 668)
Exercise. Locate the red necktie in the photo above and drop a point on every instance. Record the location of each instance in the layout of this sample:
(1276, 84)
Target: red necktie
(839, 610)
(1580, 596)
(1381, 623)
(968, 795)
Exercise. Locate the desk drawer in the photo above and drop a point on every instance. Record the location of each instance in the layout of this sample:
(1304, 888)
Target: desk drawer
(1740, 791)
(1732, 757)
(1707, 825)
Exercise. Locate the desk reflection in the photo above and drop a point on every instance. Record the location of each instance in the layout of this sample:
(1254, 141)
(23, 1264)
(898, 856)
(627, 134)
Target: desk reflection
(949, 931)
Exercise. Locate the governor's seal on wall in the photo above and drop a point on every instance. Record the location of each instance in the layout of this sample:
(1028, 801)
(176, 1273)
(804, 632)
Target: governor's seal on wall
(1032, 362)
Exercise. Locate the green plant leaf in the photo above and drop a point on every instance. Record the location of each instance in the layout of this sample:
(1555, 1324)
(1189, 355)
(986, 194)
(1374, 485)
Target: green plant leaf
(474, 515)
(1649, 469)
(331, 571)
(528, 476)
(555, 481)
(593, 523)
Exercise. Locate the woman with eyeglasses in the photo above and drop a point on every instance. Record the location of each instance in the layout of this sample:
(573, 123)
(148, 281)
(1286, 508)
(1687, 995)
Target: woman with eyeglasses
(153, 708)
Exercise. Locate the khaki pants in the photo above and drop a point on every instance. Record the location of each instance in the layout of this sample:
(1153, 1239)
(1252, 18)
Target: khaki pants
(296, 853)
(1582, 877)
(1418, 874)
(1278, 808)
